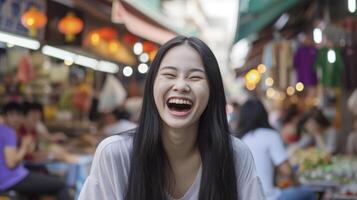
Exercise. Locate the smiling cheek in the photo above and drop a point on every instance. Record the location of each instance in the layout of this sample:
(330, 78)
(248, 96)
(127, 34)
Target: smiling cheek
(160, 90)
(202, 96)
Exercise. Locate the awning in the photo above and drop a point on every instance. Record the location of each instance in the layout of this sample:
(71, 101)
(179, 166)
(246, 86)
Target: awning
(142, 21)
(257, 14)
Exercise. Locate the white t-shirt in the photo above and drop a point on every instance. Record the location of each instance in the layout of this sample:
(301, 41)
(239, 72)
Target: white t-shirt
(109, 174)
(268, 152)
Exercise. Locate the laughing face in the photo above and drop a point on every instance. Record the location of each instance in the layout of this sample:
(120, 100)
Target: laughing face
(181, 88)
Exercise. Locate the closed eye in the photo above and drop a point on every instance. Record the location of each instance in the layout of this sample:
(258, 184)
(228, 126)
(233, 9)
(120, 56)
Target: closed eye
(195, 78)
(167, 75)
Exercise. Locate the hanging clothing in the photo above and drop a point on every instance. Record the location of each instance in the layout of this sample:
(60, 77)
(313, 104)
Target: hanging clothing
(330, 73)
(284, 62)
(349, 54)
(112, 95)
(278, 58)
(268, 59)
(269, 55)
(25, 71)
(304, 60)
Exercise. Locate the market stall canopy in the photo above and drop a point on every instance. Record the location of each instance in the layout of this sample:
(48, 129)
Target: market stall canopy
(138, 24)
(141, 18)
(144, 18)
(257, 14)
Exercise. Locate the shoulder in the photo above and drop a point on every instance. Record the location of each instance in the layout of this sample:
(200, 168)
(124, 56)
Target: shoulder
(112, 154)
(267, 131)
(114, 148)
(7, 130)
(115, 145)
(240, 150)
(266, 134)
(269, 134)
(110, 169)
(248, 182)
(8, 135)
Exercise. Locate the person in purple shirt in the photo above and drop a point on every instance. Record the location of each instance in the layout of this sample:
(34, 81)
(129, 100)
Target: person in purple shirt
(13, 174)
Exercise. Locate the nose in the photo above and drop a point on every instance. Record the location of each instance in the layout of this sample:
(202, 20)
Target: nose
(181, 86)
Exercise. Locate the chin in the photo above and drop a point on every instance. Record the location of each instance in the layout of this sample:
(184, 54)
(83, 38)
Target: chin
(177, 124)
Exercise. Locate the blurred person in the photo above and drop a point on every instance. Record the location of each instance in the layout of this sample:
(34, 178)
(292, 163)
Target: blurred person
(1, 116)
(351, 147)
(33, 112)
(290, 121)
(37, 114)
(269, 153)
(13, 174)
(319, 132)
(117, 121)
(182, 142)
(32, 125)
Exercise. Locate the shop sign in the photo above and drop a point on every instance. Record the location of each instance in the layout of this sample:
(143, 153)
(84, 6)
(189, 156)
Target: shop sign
(11, 12)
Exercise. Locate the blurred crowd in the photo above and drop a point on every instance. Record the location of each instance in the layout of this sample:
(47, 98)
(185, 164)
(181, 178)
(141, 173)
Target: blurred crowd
(32, 156)
(30, 149)
(275, 137)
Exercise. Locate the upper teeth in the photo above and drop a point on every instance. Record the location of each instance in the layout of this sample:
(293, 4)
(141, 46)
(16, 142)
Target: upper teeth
(180, 101)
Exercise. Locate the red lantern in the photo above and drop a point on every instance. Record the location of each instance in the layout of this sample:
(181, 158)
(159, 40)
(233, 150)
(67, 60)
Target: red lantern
(108, 33)
(70, 26)
(33, 19)
(129, 39)
(149, 46)
(94, 38)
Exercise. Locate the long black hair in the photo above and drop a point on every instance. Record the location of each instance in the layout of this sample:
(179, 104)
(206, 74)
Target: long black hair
(149, 164)
(252, 115)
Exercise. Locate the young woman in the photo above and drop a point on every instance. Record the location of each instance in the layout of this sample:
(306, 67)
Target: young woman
(182, 148)
(269, 153)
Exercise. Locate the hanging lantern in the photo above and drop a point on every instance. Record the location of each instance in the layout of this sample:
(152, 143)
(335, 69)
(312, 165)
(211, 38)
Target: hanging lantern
(94, 38)
(108, 33)
(115, 46)
(130, 39)
(70, 25)
(149, 46)
(33, 19)
(152, 55)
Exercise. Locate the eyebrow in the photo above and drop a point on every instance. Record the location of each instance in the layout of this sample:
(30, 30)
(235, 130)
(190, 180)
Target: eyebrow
(191, 70)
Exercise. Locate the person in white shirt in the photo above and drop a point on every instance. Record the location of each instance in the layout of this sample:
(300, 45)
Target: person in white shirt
(182, 148)
(269, 153)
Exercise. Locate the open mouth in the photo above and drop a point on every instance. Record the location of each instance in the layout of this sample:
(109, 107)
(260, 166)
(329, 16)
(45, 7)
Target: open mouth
(180, 105)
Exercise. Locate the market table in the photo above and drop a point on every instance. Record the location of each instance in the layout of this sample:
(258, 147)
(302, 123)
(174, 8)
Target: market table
(334, 177)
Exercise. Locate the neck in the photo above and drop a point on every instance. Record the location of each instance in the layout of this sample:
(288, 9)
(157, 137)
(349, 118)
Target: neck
(180, 144)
